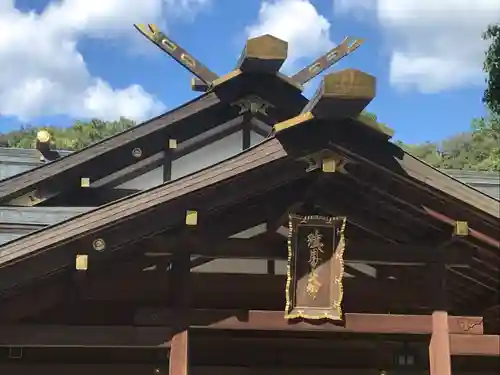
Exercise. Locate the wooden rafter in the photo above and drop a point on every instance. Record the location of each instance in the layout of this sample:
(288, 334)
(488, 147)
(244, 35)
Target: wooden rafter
(409, 202)
(260, 127)
(108, 156)
(267, 157)
(392, 162)
(185, 146)
(114, 153)
(321, 64)
(359, 250)
(179, 54)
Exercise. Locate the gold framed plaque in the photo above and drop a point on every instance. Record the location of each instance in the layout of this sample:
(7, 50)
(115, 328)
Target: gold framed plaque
(315, 268)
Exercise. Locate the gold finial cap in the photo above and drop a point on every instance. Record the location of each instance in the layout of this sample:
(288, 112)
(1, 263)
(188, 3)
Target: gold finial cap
(43, 136)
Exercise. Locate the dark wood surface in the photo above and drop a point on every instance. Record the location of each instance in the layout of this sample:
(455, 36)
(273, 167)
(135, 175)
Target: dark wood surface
(115, 153)
(183, 123)
(263, 54)
(361, 325)
(265, 160)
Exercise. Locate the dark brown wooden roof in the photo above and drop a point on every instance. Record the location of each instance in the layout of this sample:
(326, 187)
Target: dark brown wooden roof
(378, 197)
(388, 196)
(100, 160)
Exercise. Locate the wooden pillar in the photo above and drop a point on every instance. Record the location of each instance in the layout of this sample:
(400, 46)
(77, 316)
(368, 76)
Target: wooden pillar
(180, 281)
(170, 145)
(439, 345)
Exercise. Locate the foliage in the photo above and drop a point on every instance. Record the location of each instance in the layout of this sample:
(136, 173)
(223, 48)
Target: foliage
(76, 137)
(488, 129)
(466, 151)
(492, 68)
(471, 150)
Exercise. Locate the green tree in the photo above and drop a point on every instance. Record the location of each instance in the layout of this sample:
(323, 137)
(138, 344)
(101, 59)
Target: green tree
(473, 151)
(79, 135)
(486, 133)
(487, 130)
(468, 151)
(492, 68)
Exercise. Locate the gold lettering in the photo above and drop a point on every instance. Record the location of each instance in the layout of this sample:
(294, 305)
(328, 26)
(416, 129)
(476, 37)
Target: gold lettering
(315, 244)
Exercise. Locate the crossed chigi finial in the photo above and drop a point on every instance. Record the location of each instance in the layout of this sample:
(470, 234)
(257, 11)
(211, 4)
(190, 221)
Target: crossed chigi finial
(264, 54)
(342, 94)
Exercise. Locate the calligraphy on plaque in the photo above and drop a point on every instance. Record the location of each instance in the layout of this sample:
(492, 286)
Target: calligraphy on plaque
(315, 271)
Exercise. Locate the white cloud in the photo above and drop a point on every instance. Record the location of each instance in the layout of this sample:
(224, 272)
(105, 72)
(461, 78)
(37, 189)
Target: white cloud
(436, 45)
(42, 72)
(299, 23)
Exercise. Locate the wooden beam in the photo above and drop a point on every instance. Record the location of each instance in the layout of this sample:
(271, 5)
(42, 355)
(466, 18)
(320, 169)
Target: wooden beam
(268, 158)
(179, 54)
(342, 94)
(475, 345)
(84, 336)
(472, 232)
(123, 336)
(184, 147)
(366, 219)
(321, 64)
(358, 251)
(260, 127)
(32, 302)
(409, 200)
(390, 163)
(263, 54)
(209, 136)
(254, 291)
(113, 153)
(275, 321)
(130, 172)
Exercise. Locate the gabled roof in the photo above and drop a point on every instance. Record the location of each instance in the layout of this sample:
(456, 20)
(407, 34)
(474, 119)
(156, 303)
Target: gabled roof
(256, 73)
(278, 161)
(210, 109)
(268, 157)
(101, 159)
(327, 134)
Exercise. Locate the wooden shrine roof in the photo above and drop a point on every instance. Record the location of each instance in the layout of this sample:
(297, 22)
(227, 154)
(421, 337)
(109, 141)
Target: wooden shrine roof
(411, 203)
(256, 75)
(389, 197)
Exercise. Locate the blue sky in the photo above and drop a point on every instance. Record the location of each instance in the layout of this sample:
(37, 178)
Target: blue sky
(428, 88)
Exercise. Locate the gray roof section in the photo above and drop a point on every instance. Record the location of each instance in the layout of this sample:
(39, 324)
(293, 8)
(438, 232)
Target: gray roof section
(487, 182)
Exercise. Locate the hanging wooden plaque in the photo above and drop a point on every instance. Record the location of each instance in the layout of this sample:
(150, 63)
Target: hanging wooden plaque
(315, 267)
